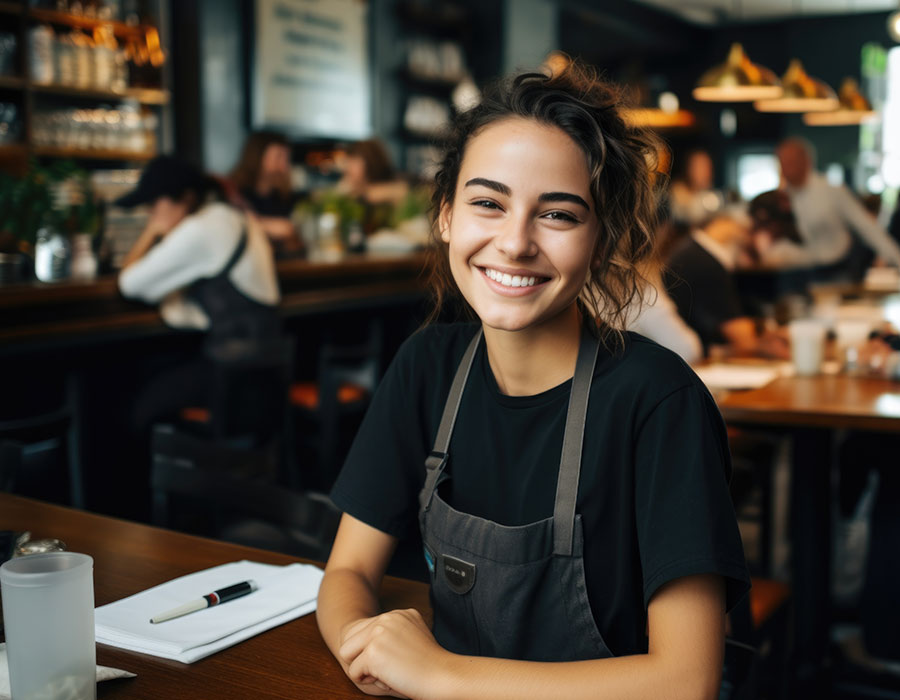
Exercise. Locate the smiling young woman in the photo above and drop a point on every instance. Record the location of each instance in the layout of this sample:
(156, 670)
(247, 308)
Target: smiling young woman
(569, 479)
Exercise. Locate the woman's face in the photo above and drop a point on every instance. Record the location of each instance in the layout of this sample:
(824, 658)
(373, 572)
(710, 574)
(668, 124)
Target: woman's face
(166, 213)
(355, 172)
(700, 171)
(276, 160)
(522, 228)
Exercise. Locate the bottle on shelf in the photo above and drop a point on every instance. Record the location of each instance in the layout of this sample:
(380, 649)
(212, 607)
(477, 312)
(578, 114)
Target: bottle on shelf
(41, 41)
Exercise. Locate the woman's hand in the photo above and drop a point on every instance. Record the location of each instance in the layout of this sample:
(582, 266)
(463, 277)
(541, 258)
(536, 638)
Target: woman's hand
(394, 654)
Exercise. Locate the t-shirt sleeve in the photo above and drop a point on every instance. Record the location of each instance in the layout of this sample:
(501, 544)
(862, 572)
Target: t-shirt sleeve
(383, 473)
(686, 523)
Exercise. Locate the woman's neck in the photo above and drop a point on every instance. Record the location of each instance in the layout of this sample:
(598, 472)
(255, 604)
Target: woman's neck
(533, 360)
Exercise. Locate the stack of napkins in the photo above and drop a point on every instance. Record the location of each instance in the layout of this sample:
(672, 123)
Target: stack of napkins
(285, 593)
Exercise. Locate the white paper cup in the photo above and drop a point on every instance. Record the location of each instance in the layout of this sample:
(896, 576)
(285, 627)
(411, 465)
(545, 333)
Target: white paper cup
(807, 345)
(851, 334)
(48, 614)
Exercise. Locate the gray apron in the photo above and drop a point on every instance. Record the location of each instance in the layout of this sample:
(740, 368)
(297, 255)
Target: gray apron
(515, 592)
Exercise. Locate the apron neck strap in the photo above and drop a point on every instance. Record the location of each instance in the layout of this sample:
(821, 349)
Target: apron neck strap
(573, 439)
(437, 460)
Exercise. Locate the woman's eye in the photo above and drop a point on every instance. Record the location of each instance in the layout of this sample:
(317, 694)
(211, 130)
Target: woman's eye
(561, 216)
(485, 203)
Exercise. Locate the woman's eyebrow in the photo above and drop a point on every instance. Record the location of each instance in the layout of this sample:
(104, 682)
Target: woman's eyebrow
(563, 197)
(490, 184)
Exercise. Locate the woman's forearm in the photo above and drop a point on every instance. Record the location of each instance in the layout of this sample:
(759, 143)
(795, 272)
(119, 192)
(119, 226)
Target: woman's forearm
(145, 242)
(344, 597)
(643, 676)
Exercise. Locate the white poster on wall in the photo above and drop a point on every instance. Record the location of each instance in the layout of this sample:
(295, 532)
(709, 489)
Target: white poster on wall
(311, 75)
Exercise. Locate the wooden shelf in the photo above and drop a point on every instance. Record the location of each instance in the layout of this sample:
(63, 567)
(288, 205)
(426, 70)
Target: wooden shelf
(147, 96)
(11, 8)
(54, 17)
(12, 82)
(91, 154)
(12, 150)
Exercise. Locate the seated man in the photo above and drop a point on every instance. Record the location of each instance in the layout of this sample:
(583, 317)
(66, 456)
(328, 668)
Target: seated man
(826, 215)
(699, 280)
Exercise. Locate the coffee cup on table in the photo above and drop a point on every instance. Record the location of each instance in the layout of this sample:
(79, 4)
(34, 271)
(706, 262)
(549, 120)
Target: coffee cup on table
(48, 615)
(807, 345)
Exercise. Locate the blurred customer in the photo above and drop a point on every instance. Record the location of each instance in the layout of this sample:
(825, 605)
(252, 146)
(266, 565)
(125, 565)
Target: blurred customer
(262, 182)
(894, 226)
(370, 177)
(692, 196)
(657, 318)
(654, 315)
(210, 267)
(699, 278)
(825, 214)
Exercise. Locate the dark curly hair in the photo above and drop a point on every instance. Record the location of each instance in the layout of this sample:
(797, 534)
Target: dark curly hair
(625, 182)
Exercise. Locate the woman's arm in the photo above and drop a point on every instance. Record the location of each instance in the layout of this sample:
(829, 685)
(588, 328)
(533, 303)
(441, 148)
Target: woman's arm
(349, 590)
(686, 625)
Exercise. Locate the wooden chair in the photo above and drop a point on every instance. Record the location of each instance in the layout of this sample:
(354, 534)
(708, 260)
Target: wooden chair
(24, 439)
(327, 411)
(758, 642)
(231, 493)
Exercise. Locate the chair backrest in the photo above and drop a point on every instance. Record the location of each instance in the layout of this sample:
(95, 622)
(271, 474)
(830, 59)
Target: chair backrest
(249, 390)
(234, 483)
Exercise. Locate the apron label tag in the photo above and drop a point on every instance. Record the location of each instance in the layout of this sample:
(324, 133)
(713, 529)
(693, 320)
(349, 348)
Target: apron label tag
(460, 574)
(429, 560)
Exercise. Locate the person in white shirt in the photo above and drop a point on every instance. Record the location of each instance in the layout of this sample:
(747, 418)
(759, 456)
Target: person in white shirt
(825, 215)
(209, 266)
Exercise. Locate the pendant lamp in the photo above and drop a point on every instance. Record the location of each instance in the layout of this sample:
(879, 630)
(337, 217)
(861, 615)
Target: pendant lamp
(853, 108)
(802, 93)
(737, 80)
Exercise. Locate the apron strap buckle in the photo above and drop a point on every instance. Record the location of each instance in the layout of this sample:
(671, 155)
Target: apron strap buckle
(436, 460)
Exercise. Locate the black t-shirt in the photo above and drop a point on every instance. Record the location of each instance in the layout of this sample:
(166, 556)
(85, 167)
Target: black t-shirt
(653, 493)
(703, 290)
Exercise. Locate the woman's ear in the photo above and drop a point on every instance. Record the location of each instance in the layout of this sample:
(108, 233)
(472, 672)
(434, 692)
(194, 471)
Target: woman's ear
(444, 222)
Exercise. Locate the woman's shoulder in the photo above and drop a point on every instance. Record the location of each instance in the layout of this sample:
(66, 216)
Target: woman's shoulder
(644, 363)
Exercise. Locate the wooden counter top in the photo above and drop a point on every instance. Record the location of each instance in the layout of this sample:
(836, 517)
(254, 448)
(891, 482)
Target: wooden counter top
(41, 313)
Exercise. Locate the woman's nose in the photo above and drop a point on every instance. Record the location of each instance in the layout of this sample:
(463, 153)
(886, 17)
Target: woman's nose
(516, 239)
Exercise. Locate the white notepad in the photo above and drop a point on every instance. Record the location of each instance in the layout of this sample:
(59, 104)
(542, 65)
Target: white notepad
(285, 593)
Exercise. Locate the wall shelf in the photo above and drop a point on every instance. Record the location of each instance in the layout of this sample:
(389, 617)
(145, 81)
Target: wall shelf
(146, 96)
(91, 154)
(12, 82)
(11, 8)
(33, 99)
(79, 22)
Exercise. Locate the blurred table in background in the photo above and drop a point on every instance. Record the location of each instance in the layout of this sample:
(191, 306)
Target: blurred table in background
(813, 410)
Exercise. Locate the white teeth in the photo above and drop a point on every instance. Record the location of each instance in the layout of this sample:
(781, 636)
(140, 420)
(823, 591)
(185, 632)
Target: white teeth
(508, 280)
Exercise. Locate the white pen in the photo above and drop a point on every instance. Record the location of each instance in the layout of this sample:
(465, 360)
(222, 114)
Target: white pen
(223, 595)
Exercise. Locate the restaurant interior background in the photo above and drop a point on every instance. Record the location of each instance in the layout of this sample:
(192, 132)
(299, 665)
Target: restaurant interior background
(98, 88)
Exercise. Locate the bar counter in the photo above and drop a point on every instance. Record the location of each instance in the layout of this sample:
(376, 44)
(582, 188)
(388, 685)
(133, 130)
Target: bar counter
(39, 315)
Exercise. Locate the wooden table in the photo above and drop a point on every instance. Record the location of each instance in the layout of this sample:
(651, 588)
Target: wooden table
(290, 661)
(813, 410)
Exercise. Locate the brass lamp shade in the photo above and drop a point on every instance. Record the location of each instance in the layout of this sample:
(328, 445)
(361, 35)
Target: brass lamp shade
(737, 80)
(853, 108)
(801, 93)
